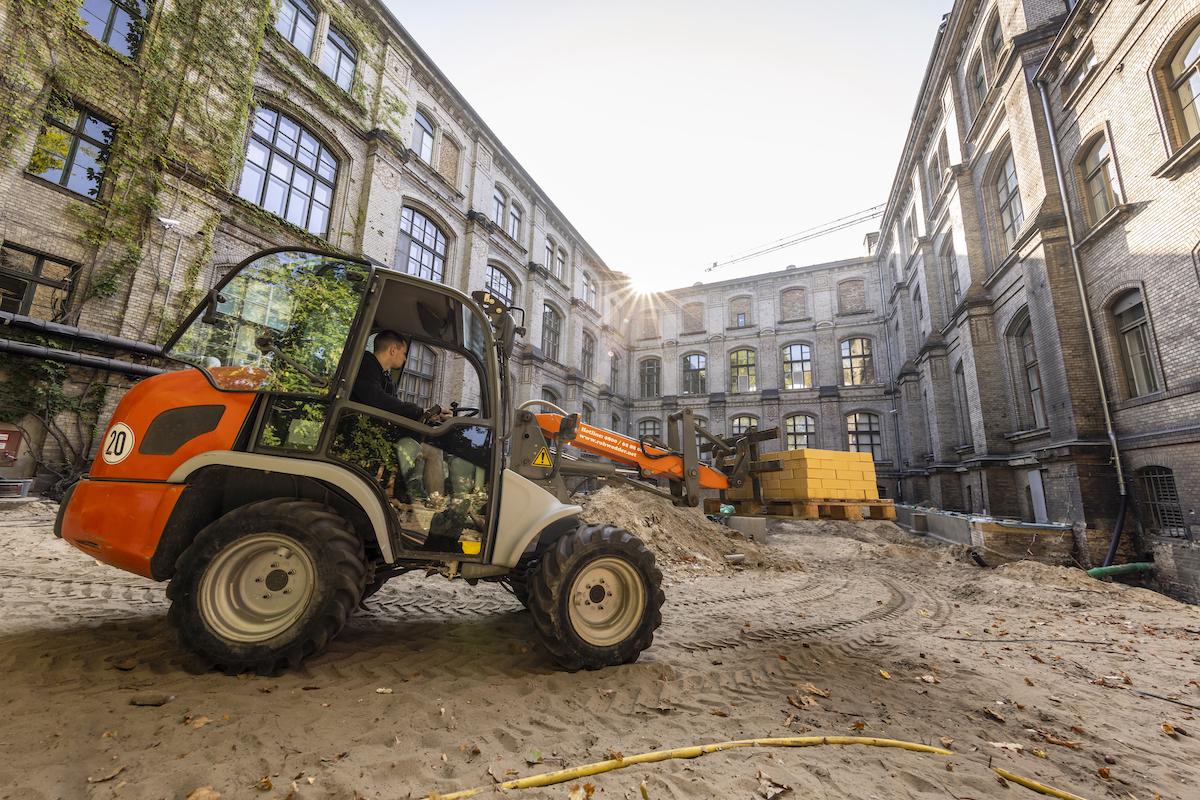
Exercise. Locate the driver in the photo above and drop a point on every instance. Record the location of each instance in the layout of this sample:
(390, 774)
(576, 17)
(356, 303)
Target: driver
(420, 464)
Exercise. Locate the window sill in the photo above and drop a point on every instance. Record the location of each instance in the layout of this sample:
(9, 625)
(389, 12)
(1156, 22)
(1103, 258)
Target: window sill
(1141, 400)
(1180, 161)
(83, 198)
(1027, 435)
(797, 319)
(854, 313)
(964, 450)
(691, 333)
(1104, 223)
(741, 327)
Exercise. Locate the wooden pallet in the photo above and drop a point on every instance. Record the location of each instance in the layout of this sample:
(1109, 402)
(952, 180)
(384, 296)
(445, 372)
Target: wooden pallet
(851, 510)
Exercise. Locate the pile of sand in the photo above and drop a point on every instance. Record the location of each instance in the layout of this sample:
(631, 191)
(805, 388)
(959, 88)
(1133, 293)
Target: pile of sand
(681, 537)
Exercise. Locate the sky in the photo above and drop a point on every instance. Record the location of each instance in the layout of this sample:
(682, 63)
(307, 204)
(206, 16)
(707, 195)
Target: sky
(676, 134)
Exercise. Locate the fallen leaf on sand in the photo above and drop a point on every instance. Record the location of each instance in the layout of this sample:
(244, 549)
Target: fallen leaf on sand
(769, 789)
(264, 784)
(946, 742)
(1010, 746)
(197, 722)
(383, 690)
(494, 774)
(858, 726)
(716, 712)
(534, 757)
(1052, 739)
(996, 715)
(883, 673)
(808, 687)
(803, 701)
(204, 793)
(1040, 753)
(1028, 682)
(1170, 730)
(1104, 773)
(577, 792)
(929, 679)
(107, 776)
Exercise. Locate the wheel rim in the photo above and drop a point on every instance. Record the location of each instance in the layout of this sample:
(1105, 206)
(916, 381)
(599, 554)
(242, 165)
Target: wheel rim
(257, 587)
(606, 601)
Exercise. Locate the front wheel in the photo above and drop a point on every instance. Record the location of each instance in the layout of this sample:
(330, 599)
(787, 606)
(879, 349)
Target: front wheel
(267, 585)
(596, 598)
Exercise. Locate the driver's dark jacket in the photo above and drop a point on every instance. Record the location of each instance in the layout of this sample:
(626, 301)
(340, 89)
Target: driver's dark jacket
(372, 387)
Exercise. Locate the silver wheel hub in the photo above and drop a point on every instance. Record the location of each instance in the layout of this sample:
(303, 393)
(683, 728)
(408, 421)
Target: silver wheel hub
(606, 601)
(257, 587)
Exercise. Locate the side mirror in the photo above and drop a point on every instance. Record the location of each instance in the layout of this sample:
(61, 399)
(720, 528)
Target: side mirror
(215, 299)
(568, 429)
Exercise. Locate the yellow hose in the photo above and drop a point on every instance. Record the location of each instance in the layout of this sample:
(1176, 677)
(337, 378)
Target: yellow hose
(564, 775)
(1037, 787)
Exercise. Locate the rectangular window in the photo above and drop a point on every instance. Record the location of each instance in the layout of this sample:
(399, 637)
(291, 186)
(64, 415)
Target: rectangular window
(72, 149)
(742, 372)
(551, 332)
(499, 201)
(514, 222)
(588, 356)
(560, 264)
(32, 284)
(339, 58)
(864, 435)
(420, 370)
(297, 22)
(797, 367)
(857, 366)
(1079, 73)
(120, 24)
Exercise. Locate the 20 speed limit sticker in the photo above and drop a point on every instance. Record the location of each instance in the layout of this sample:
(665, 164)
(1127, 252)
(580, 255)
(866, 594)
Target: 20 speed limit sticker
(118, 444)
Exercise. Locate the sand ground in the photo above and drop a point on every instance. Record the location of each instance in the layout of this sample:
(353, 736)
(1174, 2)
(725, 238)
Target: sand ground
(844, 629)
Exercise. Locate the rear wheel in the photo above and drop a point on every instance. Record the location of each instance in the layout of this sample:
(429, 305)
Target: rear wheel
(596, 597)
(267, 585)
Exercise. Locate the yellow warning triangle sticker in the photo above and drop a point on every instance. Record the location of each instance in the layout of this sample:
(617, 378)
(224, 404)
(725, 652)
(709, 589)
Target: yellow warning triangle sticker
(542, 459)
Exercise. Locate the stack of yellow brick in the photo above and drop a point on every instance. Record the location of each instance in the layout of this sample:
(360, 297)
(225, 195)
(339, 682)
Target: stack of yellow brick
(811, 474)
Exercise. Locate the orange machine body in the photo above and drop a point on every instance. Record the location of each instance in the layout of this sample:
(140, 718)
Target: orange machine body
(118, 512)
(628, 450)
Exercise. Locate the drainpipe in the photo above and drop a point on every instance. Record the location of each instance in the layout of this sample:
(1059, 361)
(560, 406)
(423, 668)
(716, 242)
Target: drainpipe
(1087, 317)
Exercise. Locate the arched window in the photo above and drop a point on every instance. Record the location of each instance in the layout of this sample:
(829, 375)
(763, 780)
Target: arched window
(423, 137)
(1098, 174)
(614, 372)
(1161, 510)
(550, 251)
(792, 304)
(858, 366)
(551, 331)
(739, 312)
(1137, 343)
(588, 412)
(742, 424)
(693, 318)
(616, 423)
(1182, 74)
(649, 378)
(339, 58)
(591, 294)
(800, 431)
(587, 355)
(650, 427)
(1028, 378)
(499, 284)
(297, 22)
(977, 86)
(422, 248)
(120, 23)
(694, 378)
(499, 204)
(420, 370)
(852, 296)
(514, 221)
(950, 270)
(995, 38)
(741, 371)
(863, 434)
(549, 395)
(1008, 200)
(962, 404)
(288, 171)
(797, 367)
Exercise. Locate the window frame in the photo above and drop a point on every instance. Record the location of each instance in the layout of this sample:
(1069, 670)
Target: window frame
(865, 424)
(805, 360)
(650, 378)
(1105, 170)
(499, 206)
(792, 433)
(345, 50)
(743, 363)
(744, 421)
(587, 355)
(414, 378)
(424, 133)
(277, 152)
(138, 13)
(1181, 134)
(436, 266)
(1026, 373)
(77, 133)
(1162, 510)
(694, 368)
(862, 362)
(1010, 208)
(515, 216)
(309, 12)
(1141, 326)
(489, 283)
(35, 278)
(650, 422)
(552, 320)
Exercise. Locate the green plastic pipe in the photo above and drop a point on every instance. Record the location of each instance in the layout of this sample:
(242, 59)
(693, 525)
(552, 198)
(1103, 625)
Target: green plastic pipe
(1121, 569)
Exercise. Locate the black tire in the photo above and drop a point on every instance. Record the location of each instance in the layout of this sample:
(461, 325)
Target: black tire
(335, 556)
(550, 596)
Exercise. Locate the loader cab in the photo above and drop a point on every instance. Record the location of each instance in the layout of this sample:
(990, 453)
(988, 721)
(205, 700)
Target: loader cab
(295, 327)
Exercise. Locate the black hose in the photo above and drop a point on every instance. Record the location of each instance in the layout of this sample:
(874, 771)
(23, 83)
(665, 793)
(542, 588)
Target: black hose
(1116, 537)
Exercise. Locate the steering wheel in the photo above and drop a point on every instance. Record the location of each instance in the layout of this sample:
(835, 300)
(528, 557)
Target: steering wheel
(463, 411)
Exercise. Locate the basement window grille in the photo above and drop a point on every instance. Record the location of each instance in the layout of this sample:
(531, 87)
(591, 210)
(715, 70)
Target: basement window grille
(1163, 514)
